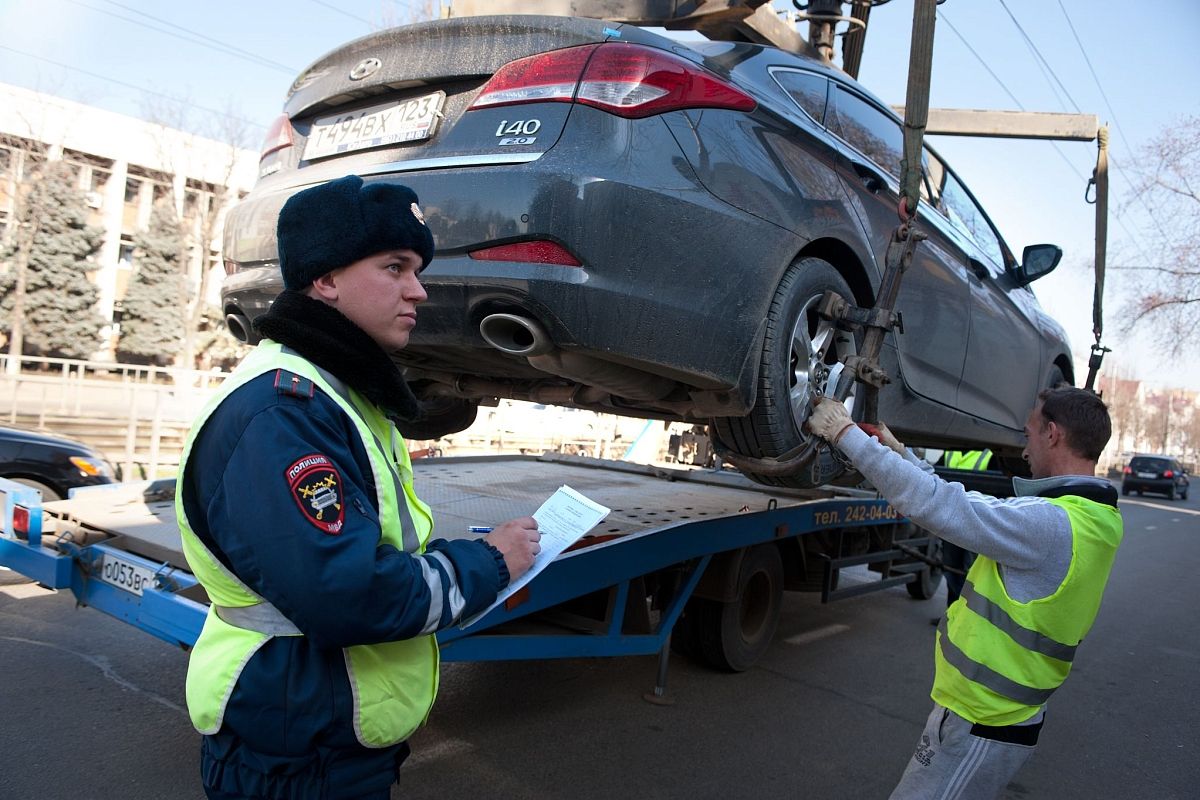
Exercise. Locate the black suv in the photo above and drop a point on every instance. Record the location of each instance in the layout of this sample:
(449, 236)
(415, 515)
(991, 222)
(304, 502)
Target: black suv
(1158, 474)
(51, 464)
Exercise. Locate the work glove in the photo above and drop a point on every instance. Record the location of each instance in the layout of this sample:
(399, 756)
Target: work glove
(829, 419)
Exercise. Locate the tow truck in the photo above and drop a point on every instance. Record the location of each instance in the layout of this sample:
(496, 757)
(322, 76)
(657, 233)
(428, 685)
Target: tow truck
(695, 560)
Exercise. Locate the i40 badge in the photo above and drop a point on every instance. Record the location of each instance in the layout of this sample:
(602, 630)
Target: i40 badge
(516, 132)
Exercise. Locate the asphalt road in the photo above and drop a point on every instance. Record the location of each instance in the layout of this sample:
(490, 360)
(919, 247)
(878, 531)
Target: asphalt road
(92, 708)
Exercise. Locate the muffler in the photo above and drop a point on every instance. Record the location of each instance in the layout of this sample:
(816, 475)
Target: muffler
(515, 335)
(239, 325)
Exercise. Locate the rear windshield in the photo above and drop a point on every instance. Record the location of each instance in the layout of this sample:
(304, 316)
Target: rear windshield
(1156, 464)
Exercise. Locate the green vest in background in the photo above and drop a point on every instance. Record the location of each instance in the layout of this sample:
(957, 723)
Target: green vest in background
(971, 459)
(393, 683)
(998, 660)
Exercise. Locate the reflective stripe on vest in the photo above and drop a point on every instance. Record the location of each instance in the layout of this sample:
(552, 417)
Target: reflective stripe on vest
(393, 683)
(970, 460)
(998, 660)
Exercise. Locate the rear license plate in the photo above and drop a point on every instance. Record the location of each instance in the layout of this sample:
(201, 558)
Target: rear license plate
(1147, 475)
(407, 121)
(125, 574)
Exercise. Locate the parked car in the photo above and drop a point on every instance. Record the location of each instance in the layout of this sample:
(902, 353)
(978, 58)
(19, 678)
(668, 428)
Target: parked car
(1158, 474)
(51, 464)
(642, 226)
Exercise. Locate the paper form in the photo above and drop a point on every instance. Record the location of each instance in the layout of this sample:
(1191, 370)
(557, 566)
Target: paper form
(562, 520)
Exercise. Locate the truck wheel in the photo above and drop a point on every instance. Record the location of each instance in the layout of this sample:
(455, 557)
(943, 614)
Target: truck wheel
(799, 349)
(732, 636)
(929, 579)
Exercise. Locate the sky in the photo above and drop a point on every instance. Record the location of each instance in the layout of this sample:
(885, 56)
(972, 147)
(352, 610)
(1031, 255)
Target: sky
(219, 56)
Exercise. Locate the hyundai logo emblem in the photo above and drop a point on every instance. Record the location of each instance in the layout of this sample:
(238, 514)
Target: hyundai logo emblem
(364, 68)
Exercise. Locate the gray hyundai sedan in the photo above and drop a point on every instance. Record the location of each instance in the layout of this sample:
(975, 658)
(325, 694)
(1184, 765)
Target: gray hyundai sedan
(642, 226)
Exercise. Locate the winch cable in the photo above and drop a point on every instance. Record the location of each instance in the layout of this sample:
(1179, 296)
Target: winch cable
(1100, 181)
(865, 368)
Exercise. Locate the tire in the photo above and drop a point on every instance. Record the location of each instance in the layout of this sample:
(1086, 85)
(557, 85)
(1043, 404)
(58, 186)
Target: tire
(1124, 491)
(733, 636)
(440, 417)
(49, 495)
(798, 349)
(929, 580)
(1171, 493)
(1139, 491)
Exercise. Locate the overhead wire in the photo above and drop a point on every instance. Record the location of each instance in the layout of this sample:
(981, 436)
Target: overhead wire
(1117, 165)
(193, 38)
(262, 59)
(1070, 164)
(108, 79)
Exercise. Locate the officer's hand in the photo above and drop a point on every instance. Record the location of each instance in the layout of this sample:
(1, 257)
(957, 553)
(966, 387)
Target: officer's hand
(829, 420)
(518, 541)
(886, 437)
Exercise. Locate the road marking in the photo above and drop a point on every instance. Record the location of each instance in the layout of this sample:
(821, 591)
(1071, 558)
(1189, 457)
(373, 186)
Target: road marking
(817, 633)
(1176, 509)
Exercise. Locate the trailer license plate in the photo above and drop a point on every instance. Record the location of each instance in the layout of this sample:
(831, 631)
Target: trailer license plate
(125, 574)
(408, 121)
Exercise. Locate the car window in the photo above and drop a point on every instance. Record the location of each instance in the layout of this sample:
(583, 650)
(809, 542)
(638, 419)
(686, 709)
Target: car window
(1149, 464)
(935, 177)
(958, 206)
(871, 132)
(806, 90)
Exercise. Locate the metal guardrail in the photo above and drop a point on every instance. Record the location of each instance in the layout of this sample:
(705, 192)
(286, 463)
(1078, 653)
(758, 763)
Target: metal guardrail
(148, 403)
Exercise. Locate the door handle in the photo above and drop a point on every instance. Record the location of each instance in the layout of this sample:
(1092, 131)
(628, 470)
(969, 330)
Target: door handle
(869, 176)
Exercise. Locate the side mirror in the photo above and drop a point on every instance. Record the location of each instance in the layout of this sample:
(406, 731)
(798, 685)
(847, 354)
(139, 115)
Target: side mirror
(1037, 260)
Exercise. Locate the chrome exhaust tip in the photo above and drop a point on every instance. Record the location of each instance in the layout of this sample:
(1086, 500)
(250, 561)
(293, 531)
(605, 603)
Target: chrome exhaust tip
(515, 335)
(241, 328)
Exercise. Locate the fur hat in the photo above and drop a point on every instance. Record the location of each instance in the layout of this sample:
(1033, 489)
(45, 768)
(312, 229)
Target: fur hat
(337, 223)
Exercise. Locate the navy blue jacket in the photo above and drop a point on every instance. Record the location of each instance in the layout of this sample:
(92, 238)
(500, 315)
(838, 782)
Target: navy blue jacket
(288, 724)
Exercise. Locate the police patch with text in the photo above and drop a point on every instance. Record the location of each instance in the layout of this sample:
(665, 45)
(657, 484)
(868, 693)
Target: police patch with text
(317, 488)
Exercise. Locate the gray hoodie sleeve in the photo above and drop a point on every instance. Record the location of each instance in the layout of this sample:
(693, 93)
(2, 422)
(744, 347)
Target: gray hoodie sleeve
(1022, 533)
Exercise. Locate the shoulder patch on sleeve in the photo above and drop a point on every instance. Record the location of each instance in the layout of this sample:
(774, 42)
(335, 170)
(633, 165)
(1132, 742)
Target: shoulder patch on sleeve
(316, 486)
(292, 384)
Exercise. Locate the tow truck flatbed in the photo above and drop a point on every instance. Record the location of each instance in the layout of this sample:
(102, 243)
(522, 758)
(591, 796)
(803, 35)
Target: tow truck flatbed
(673, 536)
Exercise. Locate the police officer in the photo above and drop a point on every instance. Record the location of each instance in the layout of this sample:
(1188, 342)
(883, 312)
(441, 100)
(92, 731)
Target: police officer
(1029, 599)
(299, 517)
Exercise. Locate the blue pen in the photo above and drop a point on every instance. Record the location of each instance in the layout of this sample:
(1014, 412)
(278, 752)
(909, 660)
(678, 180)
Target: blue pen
(479, 529)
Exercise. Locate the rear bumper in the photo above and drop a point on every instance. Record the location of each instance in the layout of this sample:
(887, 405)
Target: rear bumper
(1157, 485)
(673, 280)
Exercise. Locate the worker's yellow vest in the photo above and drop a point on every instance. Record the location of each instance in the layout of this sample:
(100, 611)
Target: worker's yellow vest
(998, 660)
(393, 683)
(971, 459)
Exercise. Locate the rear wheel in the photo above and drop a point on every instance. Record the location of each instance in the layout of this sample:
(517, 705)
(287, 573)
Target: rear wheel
(49, 495)
(929, 579)
(1171, 493)
(440, 416)
(799, 350)
(732, 636)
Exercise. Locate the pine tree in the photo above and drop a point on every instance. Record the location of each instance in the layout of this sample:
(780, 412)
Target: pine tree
(152, 312)
(59, 316)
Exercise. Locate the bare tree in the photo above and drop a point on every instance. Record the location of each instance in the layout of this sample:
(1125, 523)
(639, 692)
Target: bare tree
(1169, 273)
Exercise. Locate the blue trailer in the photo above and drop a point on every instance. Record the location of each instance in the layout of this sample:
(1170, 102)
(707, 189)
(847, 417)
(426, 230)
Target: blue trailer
(692, 560)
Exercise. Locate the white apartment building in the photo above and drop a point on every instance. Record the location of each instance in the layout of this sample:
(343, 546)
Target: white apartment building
(124, 166)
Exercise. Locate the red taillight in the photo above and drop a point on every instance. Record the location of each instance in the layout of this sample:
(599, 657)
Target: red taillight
(21, 520)
(635, 81)
(625, 79)
(535, 252)
(544, 78)
(1128, 471)
(1169, 473)
(279, 136)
